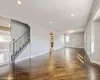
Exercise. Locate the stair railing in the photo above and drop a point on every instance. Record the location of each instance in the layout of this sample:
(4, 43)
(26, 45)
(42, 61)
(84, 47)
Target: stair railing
(20, 44)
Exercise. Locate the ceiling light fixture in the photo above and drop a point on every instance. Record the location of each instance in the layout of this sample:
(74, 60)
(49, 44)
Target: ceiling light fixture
(19, 2)
(71, 31)
(72, 15)
(50, 22)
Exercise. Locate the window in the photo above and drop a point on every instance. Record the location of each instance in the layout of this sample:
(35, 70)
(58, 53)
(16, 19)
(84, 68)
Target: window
(1, 38)
(4, 38)
(1, 58)
(92, 47)
(67, 38)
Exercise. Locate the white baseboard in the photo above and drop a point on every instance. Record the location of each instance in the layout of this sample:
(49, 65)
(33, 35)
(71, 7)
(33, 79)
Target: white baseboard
(59, 48)
(74, 47)
(18, 60)
(31, 56)
(39, 54)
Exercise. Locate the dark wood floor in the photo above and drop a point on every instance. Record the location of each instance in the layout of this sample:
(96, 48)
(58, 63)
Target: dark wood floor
(57, 65)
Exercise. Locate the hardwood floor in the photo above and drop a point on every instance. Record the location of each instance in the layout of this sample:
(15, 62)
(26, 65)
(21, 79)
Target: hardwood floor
(57, 65)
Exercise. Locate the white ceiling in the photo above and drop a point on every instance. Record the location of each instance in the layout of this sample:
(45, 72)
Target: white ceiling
(44, 11)
(4, 22)
(97, 15)
(75, 31)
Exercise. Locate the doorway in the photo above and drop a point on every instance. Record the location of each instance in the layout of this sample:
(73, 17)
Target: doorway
(51, 40)
(5, 40)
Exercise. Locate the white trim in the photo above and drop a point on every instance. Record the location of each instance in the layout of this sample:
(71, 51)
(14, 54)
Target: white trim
(17, 60)
(73, 47)
(39, 54)
(58, 48)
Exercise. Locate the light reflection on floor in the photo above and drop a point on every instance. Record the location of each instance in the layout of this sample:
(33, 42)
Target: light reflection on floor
(67, 54)
(56, 65)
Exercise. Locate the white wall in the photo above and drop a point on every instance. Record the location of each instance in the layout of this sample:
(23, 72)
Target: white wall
(4, 22)
(18, 29)
(95, 54)
(76, 40)
(58, 41)
(90, 36)
(87, 39)
(92, 41)
(40, 41)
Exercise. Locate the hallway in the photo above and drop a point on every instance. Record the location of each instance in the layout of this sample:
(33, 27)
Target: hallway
(70, 27)
(62, 64)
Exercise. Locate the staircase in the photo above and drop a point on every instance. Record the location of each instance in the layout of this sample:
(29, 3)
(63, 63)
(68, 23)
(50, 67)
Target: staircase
(20, 44)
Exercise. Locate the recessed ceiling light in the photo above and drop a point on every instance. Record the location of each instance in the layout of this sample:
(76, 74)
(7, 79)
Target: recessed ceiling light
(72, 15)
(19, 2)
(71, 31)
(50, 22)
